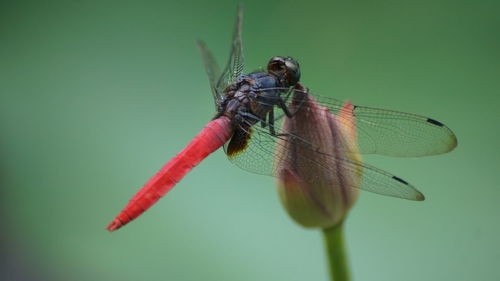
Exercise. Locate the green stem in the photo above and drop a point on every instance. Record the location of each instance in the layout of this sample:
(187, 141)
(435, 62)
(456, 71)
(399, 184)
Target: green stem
(335, 248)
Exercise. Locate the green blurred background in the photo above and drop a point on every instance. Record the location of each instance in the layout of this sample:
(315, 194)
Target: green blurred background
(95, 96)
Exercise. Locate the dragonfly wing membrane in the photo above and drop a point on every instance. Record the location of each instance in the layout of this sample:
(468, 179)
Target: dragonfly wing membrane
(389, 132)
(266, 153)
(235, 64)
(394, 133)
(212, 69)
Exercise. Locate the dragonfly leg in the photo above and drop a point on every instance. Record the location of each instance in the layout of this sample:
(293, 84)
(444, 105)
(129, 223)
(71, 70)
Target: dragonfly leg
(282, 103)
(272, 130)
(250, 115)
(263, 122)
(290, 91)
(283, 135)
(271, 123)
(283, 107)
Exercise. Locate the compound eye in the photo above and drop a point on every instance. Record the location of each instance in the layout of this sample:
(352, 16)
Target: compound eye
(277, 64)
(293, 70)
(291, 64)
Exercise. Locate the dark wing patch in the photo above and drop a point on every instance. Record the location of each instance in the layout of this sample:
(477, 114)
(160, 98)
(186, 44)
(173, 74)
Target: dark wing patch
(400, 180)
(238, 142)
(435, 122)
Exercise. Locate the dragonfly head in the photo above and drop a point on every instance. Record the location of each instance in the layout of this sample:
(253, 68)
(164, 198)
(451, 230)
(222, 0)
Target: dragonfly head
(286, 69)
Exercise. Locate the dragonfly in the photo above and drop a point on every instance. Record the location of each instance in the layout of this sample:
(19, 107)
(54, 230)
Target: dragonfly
(251, 112)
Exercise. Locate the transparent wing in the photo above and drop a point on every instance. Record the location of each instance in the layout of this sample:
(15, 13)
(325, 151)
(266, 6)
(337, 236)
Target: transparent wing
(388, 132)
(235, 64)
(212, 69)
(264, 150)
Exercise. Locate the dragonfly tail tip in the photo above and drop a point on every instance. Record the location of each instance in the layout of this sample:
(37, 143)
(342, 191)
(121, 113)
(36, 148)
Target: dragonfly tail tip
(114, 225)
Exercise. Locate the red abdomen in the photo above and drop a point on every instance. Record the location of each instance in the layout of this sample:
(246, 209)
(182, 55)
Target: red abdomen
(211, 137)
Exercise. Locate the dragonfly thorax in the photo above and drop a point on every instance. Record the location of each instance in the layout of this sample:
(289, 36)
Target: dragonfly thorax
(245, 97)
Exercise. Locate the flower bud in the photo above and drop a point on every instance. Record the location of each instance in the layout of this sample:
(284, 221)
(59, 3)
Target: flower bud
(315, 188)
